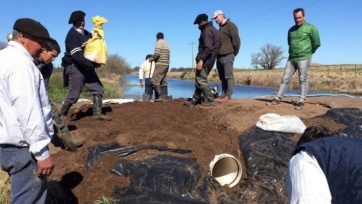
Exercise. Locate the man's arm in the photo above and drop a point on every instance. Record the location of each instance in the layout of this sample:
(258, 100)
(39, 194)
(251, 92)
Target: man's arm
(305, 180)
(314, 36)
(235, 38)
(75, 45)
(157, 51)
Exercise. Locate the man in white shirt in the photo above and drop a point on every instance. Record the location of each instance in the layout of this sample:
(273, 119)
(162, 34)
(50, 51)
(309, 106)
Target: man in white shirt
(325, 168)
(146, 71)
(26, 126)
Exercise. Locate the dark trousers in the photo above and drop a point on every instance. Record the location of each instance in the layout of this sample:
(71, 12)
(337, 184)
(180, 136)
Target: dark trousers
(77, 77)
(225, 68)
(149, 87)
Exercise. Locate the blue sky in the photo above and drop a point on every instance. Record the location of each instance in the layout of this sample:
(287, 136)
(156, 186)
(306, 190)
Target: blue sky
(133, 24)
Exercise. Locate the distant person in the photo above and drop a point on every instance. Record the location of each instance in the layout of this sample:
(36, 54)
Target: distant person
(78, 70)
(26, 126)
(146, 71)
(325, 169)
(5, 44)
(229, 48)
(303, 41)
(205, 59)
(45, 65)
(161, 57)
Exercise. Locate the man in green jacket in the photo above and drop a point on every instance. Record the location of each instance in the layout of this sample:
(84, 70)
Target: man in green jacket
(303, 41)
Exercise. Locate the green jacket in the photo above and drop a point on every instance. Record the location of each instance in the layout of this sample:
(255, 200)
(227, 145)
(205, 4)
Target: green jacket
(303, 41)
(229, 39)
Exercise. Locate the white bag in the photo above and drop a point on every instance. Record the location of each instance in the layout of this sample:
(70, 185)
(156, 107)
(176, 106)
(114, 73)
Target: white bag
(277, 123)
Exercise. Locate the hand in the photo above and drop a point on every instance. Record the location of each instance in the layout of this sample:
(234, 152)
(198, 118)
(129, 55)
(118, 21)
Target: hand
(46, 166)
(141, 84)
(199, 65)
(96, 65)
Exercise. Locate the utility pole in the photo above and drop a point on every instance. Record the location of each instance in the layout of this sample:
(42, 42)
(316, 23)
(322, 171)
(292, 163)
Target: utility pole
(192, 55)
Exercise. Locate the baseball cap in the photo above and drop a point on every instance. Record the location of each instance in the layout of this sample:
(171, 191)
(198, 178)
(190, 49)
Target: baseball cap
(218, 12)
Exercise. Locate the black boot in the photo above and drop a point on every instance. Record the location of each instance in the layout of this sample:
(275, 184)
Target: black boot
(209, 97)
(165, 91)
(196, 98)
(65, 109)
(160, 93)
(97, 108)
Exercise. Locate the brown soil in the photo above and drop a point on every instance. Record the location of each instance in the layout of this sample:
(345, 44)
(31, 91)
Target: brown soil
(205, 131)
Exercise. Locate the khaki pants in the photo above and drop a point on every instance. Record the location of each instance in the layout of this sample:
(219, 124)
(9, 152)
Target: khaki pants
(160, 75)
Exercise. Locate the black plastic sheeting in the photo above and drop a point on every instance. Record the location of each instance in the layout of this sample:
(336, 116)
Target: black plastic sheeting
(352, 117)
(167, 179)
(267, 155)
(161, 179)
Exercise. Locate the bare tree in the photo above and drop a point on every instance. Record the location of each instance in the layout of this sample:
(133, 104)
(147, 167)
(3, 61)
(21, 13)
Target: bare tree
(269, 56)
(255, 60)
(115, 64)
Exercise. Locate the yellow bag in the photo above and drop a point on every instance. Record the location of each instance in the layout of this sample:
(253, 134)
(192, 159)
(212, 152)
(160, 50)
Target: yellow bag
(96, 49)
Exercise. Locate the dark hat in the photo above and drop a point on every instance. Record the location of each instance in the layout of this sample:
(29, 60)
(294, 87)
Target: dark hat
(201, 17)
(32, 28)
(148, 56)
(76, 15)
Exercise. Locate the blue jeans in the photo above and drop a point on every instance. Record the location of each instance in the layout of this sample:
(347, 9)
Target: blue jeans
(26, 185)
(225, 68)
(302, 67)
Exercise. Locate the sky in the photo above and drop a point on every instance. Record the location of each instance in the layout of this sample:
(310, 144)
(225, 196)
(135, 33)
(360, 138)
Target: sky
(133, 24)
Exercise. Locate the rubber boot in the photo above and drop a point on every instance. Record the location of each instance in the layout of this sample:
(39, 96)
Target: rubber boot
(97, 109)
(194, 101)
(209, 97)
(64, 110)
(165, 91)
(160, 93)
(68, 140)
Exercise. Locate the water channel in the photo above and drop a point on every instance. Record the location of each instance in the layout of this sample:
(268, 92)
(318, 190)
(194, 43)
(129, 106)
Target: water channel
(185, 88)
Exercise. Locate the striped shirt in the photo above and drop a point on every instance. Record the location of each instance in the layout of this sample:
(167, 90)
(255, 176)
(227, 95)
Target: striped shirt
(162, 52)
(25, 114)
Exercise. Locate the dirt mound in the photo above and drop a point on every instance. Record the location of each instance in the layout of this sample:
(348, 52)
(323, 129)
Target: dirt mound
(205, 131)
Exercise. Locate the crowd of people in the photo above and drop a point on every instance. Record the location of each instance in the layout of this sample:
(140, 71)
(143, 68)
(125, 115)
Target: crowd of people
(27, 116)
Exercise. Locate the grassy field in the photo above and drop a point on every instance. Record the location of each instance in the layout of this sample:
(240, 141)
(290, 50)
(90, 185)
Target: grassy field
(336, 78)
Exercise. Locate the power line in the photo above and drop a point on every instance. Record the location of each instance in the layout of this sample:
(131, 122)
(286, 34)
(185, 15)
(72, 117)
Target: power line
(269, 19)
(192, 55)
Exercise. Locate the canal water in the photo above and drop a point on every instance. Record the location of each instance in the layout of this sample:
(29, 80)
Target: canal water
(185, 88)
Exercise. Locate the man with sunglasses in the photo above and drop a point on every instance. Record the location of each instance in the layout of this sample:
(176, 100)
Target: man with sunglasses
(26, 126)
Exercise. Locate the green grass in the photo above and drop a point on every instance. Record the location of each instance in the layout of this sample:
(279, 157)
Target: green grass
(104, 200)
(57, 92)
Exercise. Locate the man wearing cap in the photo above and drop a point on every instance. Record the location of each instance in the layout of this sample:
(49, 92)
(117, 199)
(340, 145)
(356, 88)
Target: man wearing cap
(146, 70)
(78, 70)
(205, 60)
(26, 126)
(230, 45)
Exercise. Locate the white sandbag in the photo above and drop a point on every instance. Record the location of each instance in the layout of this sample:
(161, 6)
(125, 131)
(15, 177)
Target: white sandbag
(278, 123)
